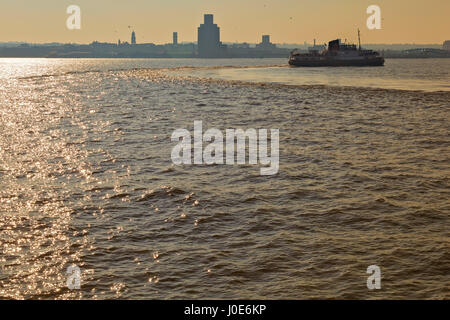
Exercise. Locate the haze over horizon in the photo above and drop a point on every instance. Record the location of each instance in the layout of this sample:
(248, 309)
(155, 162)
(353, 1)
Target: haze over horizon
(287, 21)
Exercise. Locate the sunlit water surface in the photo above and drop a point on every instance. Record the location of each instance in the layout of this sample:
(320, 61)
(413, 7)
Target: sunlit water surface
(86, 178)
(401, 74)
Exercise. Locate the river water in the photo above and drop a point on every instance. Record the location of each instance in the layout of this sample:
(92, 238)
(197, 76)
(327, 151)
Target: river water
(86, 178)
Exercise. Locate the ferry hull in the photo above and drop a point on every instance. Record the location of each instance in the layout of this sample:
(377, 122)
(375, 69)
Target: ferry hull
(373, 62)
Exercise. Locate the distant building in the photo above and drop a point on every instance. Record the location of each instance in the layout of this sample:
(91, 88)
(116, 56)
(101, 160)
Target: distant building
(175, 38)
(209, 45)
(317, 48)
(244, 45)
(122, 44)
(265, 43)
(446, 45)
(133, 38)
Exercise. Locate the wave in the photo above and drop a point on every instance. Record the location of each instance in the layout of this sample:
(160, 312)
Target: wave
(173, 75)
(181, 74)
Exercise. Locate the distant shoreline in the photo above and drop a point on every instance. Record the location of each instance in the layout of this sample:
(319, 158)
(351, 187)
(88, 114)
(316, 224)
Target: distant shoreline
(183, 51)
(199, 58)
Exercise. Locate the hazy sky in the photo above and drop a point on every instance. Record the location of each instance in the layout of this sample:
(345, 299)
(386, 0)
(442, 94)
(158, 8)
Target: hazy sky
(292, 21)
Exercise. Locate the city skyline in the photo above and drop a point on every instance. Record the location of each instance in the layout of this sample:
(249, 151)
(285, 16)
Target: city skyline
(286, 21)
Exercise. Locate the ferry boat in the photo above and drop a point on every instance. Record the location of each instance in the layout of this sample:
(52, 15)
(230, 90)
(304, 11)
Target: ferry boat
(337, 54)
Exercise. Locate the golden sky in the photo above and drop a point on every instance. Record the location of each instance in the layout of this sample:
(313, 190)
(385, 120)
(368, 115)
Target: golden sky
(287, 21)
